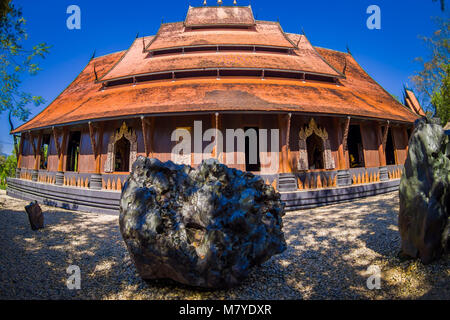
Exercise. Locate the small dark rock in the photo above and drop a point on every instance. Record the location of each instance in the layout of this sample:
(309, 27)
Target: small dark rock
(35, 215)
(424, 222)
(203, 227)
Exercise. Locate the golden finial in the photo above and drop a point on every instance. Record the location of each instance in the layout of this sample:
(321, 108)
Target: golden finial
(219, 2)
(204, 2)
(235, 2)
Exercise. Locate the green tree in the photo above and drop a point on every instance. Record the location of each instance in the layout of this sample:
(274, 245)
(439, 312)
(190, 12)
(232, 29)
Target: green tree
(430, 81)
(441, 98)
(10, 166)
(7, 168)
(16, 61)
(4, 7)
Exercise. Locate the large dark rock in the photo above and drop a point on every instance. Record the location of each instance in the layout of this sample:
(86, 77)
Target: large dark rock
(35, 215)
(202, 227)
(425, 193)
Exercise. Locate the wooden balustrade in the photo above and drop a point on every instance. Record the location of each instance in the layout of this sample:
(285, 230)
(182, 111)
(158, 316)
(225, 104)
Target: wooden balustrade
(366, 178)
(109, 182)
(115, 183)
(318, 182)
(73, 181)
(112, 183)
(47, 178)
(26, 176)
(395, 174)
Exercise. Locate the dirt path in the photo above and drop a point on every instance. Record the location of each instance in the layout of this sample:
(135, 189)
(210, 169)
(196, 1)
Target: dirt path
(329, 251)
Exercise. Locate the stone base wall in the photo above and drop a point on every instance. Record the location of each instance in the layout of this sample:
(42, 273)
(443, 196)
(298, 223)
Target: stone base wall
(72, 198)
(321, 197)
(107, 201)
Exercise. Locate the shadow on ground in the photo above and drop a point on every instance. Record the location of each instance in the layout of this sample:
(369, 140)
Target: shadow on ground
(329, 251)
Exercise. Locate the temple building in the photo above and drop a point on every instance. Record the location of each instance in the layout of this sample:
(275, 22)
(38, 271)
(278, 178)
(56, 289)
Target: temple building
(340, 134)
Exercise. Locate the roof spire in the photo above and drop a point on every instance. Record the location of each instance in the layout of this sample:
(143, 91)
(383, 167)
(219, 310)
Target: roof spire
(219, 2)
(95, 73)
(235, 2)
(204, 2)
(348, 50)
(300, 37)
(345, 66)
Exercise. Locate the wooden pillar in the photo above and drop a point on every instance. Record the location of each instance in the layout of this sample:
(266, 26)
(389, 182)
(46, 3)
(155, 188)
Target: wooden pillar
(144, 134)
(284, 122)
(147, 134)
(37, 157)
(98, 161)
(405, 134)
(19, 155)
(383, 144)
(344, 144)
(288, 148)
(394, 143)
(341, 155)
(59, 146)
(96, 136)
(215, 123)
(34, 147)
(381, 150)
(152, 132)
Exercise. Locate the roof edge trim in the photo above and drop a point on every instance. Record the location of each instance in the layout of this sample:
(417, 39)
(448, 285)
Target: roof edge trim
(67, 87)
(212, 69)
(136, 116)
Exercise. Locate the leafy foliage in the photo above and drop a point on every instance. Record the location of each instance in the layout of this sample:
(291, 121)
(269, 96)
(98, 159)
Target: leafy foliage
(7, 168)
(430, 82)
(4, 7)
(441, 98)
(16, 61)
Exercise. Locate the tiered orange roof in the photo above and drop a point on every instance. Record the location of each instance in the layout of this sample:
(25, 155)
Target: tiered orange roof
(175, 35)
(353, 93)
(137, 62)
(412, 102)
(213, 16)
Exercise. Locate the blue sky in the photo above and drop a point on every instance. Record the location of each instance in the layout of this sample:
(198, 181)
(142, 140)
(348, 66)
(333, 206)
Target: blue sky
(108, 26)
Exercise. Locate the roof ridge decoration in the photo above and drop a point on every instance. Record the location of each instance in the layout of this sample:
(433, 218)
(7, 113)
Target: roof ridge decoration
(157, 35)
(300, 37)
(69, 86)
(95, 73)
(121, 58)
(205, 16)
(348, 50)
(411, 101)
(345, 66)
(382, 88)
(285, 35)
(90, 104)
(93, 55)
(175, 35)
(323, 59)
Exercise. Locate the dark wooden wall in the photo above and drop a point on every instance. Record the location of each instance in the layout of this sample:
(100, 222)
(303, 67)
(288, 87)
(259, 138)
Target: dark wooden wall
(161, 145)
(370, 143)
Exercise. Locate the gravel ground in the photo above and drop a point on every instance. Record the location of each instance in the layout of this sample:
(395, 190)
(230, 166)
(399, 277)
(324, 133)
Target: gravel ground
(329, 252)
